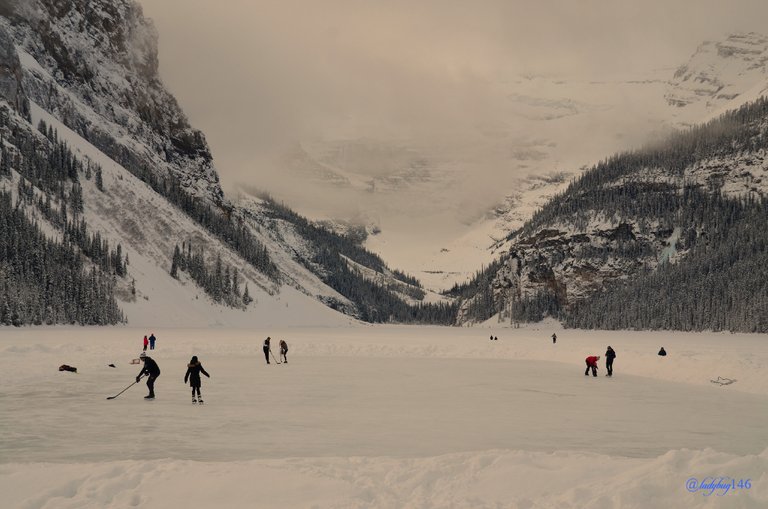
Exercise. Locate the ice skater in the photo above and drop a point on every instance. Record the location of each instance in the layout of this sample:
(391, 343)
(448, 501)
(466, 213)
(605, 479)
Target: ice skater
(194, 368)
(152, 370)
(609, 356)
(146, 342)
(152, 339)
(284, 351)
(266, 348)
(592, 363)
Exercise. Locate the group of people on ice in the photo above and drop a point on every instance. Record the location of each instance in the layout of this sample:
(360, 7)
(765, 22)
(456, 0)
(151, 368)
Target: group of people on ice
(268, 351)
(610, 355)
(591, 361)
(151, 370)
(149, 342)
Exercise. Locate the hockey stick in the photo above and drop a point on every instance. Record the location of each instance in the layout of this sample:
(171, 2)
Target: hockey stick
(119, 393)
(273, 357)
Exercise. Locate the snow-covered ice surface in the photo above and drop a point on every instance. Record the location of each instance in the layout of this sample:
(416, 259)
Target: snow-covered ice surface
(385, 416)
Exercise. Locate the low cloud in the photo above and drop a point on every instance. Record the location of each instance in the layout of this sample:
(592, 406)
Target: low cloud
(465, 91)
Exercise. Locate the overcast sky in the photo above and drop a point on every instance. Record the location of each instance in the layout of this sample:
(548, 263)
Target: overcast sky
(259, 74)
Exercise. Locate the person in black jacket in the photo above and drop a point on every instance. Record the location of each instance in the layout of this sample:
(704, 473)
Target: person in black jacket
(609, 356)
(662, 352)
(266, 348)
(152, 370)
(284, 351)
(194, 368)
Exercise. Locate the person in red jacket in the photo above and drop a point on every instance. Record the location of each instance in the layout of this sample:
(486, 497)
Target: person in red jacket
(146, 342)
(592, 363)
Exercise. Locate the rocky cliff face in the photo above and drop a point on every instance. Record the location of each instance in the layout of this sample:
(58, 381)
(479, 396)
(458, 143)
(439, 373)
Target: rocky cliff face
(94, 65)
(11, 88)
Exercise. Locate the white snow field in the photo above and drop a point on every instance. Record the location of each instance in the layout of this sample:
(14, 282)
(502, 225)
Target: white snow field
(384, 417)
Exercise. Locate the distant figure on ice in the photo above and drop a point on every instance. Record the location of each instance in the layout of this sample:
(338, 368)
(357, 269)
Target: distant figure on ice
(266, 348)
(284, 351)
(662, 352)
(495, 338)
(146, 342)
(150, 369)
(491, 337)
(152, 339)
(554, 338)
(194, 368)
(65, 367)
(609, 356)
(592, 363)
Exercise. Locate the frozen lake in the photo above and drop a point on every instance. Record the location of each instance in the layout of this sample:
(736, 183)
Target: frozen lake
(337, 406)
(444, 405)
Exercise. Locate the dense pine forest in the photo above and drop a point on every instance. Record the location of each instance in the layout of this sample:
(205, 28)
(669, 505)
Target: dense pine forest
(44, 280)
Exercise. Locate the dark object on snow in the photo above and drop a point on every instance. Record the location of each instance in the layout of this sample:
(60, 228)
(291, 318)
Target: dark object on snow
(609, 356)
(112, 366)
(65, 367)
(152, 339)
(153, 370)
(662, 352)
(723, 381)
(495, 338)
(554, 338)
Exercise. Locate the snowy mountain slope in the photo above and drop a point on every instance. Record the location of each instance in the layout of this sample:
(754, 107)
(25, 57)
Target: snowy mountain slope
(127, 212)
(131, 213)
(683, 216)
(113, 112)
(719, 75)
(94, 65)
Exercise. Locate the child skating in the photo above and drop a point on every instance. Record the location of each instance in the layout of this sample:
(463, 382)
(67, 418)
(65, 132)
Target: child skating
(194, 368)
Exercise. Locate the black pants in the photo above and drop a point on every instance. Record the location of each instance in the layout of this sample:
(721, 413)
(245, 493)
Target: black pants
(594, 370)
(609, 366)
(195, 388)
(151, 385)
(266, 354)
(284, 354)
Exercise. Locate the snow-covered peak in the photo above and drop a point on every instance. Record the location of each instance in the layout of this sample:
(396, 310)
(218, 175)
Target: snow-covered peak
(718, 74)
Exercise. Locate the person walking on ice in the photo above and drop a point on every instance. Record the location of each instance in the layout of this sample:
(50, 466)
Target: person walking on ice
(146, 342)
(266, 348)
(592, 363)
(152, 340)
(609, 356)
(152, 370)
(554, 338)
(284, 351)
(194, 368)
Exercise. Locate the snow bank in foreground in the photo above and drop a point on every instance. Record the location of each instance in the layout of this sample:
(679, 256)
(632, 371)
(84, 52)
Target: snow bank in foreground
(490, 479)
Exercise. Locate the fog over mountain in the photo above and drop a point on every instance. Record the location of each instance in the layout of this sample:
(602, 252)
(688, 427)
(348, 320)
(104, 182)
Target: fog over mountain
(426, 116)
